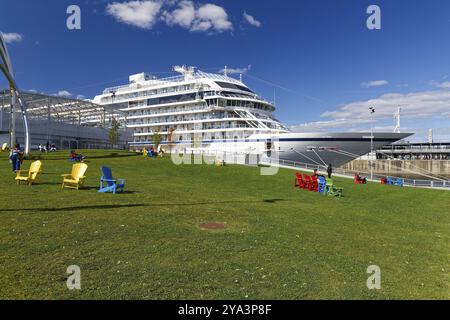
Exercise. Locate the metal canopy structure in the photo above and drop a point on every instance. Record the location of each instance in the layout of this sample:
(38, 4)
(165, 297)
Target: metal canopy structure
(65, 122)
(6, 67)
(62, 109)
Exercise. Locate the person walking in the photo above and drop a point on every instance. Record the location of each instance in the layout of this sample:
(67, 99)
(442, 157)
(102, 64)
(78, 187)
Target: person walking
(329, 171)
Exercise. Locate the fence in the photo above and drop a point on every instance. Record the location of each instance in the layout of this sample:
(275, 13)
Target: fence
(438, 183)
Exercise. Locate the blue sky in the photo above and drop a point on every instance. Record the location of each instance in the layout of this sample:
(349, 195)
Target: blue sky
(324, 65)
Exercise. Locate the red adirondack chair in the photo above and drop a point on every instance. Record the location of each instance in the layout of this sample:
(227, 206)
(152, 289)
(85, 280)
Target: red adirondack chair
(308, 182)
(299, 183)
(356, 179)
(314, 184)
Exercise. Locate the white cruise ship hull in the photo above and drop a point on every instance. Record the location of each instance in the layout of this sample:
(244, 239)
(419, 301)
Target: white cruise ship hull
(312, 148)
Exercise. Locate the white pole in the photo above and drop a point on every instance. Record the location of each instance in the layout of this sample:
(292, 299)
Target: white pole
(6, 68)
(12, 125)
(371, 143)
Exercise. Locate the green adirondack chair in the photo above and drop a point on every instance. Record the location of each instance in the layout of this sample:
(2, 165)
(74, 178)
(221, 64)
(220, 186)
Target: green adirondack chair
(332, 190)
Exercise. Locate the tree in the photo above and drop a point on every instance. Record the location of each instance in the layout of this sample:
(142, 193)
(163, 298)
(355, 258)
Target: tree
(114, 132)
(156, 138)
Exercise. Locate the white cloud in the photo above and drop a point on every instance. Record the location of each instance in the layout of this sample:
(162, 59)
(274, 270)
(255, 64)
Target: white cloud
(64, 93)
(183, 16)
(144, 14)
(80, 97)
(236, 70)
(442, 85)
(374, 83)
(251, 20)
(12, 37)
(416, 106)
(141, 14)
(208, 17)
(212, 16)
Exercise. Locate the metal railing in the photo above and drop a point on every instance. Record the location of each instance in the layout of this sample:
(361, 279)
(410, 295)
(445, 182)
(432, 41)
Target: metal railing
(175, 79)
(350, 174)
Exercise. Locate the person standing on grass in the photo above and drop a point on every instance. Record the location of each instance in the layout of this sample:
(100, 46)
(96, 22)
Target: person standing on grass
(16, 158)
(329, 171)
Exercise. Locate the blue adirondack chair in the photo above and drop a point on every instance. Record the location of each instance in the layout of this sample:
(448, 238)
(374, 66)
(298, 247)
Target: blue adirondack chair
(399, 182)
(390, 181)
(108, 183)
(321, 186)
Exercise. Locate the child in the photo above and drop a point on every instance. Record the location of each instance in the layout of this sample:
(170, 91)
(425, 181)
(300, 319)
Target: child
(16, 158)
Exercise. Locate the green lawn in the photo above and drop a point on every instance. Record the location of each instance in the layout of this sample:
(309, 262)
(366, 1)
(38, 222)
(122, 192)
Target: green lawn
(280, 243)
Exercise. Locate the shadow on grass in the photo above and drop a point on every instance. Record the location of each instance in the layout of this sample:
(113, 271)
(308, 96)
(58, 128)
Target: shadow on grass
(66, 158)
(89, 188)
(112, 206)
(213, 202)
(93, 207)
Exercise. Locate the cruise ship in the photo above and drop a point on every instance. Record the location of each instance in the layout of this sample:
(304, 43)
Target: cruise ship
(212, 113)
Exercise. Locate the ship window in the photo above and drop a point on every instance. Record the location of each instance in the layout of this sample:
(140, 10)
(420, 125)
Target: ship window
(172, 99)
(232, 86)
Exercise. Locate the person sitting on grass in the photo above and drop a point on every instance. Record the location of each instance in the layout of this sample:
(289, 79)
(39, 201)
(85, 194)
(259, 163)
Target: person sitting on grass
(160, 151)
(75, 156)
(360, 179)
(317, 175)
(152, 153)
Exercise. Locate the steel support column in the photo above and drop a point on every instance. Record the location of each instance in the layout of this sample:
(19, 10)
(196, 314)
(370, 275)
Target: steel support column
(5, 66)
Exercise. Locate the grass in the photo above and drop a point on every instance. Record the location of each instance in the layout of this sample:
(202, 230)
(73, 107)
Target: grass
(280, 243)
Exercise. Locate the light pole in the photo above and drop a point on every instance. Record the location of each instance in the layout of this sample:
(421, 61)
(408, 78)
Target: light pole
(113, 95)
(372, 111)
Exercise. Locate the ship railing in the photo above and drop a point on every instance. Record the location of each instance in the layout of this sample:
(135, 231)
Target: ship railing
(146, 84)
(157, 82)
(442, 184)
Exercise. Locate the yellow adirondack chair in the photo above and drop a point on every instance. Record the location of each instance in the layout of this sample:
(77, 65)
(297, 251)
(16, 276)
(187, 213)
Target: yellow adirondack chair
(5, 147)
(75, 179)
(31, 178)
